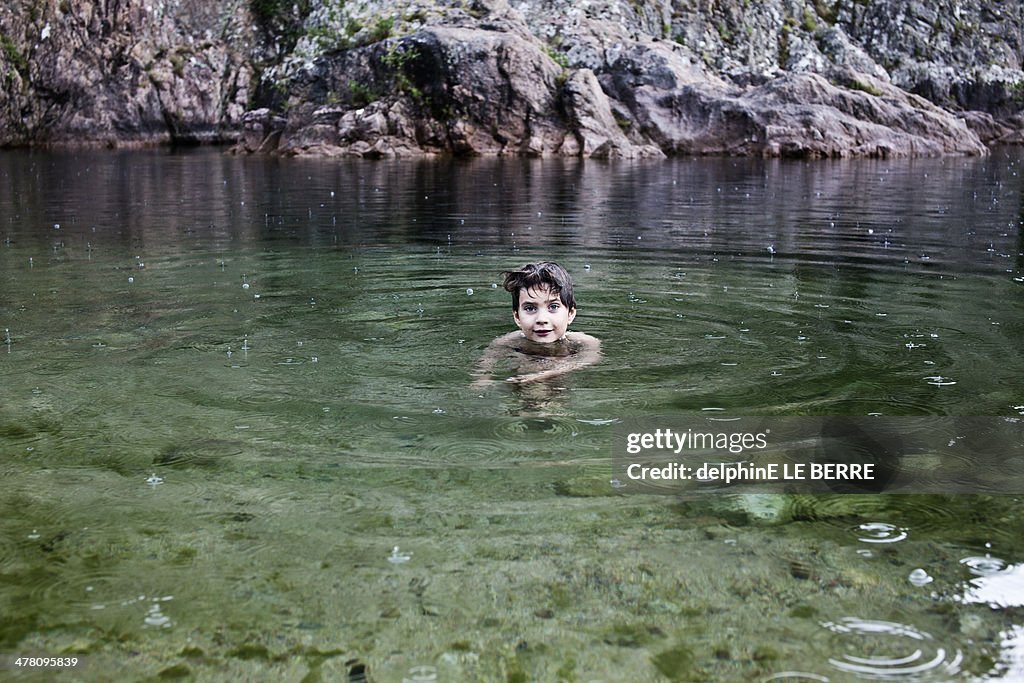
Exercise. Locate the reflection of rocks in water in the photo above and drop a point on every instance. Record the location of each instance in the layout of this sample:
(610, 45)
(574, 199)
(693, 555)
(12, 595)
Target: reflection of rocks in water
(202, 453)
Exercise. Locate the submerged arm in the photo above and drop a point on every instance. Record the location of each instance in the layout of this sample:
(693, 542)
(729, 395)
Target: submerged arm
(492, 354)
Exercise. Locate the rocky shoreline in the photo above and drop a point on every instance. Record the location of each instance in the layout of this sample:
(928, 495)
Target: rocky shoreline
(638, 79)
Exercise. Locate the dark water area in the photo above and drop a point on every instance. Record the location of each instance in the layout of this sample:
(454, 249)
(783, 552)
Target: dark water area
(238, 438)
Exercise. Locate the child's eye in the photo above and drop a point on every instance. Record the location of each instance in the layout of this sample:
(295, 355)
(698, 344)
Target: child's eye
(553, 307)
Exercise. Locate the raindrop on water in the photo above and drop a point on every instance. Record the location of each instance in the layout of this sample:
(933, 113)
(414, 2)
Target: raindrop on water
(920, 577)
(154, 617)
(985, 565)
(399, 557)
(421, 674)
(880, 532)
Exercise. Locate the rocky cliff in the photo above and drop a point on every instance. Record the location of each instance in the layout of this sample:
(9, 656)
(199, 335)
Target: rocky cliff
(610, 78)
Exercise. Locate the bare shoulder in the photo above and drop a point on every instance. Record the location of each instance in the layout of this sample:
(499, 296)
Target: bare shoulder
(507, 340)
(588, 342)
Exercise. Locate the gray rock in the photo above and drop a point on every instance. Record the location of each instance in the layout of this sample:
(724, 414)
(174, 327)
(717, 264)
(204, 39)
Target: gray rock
(548, 77)
(592, 123)
(122, 73)
(987, 128)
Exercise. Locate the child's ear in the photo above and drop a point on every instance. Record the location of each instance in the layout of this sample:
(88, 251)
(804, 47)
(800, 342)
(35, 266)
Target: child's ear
(515, 315)
(572, 314)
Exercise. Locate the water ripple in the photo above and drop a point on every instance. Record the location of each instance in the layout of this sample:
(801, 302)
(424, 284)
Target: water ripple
(463, 451)
(984, 565)
(903, 651)
(795, 677)
(879, 532)
(92, 589)
(537, 428)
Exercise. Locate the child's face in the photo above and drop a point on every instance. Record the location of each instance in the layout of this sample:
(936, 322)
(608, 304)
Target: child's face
(542, 316)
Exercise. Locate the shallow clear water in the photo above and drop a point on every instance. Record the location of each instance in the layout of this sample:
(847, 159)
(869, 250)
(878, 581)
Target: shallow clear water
(237, 437)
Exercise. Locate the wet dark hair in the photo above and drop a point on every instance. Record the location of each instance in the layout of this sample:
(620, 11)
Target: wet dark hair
(544, 273)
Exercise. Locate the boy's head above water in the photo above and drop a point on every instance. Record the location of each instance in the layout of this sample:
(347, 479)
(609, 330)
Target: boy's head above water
(543, 308)
(542, 302)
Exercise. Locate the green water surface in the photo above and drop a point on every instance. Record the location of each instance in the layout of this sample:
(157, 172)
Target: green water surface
(238, 441)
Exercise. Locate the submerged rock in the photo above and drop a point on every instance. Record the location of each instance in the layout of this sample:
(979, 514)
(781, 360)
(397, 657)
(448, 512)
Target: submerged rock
(753, 508)
(198, 453)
